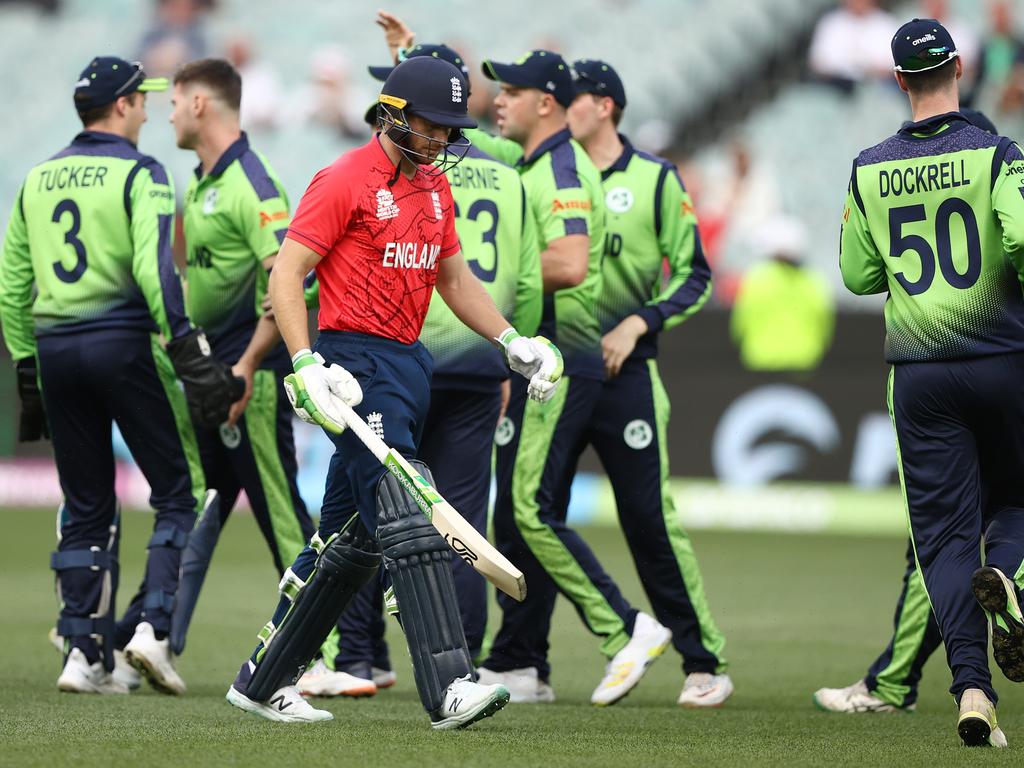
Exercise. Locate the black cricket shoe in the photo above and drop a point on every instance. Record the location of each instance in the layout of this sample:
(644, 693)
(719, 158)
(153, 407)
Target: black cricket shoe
(997, 595)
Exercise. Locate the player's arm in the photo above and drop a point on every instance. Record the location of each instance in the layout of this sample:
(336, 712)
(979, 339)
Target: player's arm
(263, 218)
(1008, 203)
(506, 150)
(16, 281)
(209, 386)
(859, 260)
(689, 284)
(535, 358)
(529, 284)
(562, 214)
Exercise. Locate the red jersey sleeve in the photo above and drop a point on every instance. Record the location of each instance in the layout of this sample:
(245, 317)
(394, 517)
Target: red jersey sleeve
(324, 211)
(450, 239)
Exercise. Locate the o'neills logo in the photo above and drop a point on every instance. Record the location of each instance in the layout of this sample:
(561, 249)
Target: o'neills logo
(569, 205)
(411, 255)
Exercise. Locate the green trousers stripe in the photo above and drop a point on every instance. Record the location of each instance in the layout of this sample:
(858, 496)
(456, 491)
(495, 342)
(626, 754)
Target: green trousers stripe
(906, 643)
(186, 431)
(710, 636)
(540, 420)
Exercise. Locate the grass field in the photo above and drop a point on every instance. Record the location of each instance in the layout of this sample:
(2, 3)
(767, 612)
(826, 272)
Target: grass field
(798, 612)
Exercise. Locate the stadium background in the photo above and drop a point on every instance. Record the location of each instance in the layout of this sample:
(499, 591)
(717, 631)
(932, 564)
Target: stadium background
(724, 88)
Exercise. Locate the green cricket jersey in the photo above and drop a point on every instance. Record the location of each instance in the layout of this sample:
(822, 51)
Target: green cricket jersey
(498, 234)
(935, 216)
(650, 219)
(235, 217)
(564, 190)
(91, 233)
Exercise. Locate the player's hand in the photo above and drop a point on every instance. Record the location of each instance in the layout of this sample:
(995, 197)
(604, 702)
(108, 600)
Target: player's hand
(245, 370)
(32, 419)
(396, 34)
(618, 344)
(210, 387)
(535, 358)
(315, 389)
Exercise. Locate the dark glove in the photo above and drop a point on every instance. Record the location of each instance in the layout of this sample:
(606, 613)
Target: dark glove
(210, 387)
(32, 420)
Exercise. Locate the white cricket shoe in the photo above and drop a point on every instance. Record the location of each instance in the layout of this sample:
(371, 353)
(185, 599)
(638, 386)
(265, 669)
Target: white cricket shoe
(854, 699)
(286, 706)
(649, 641)
(977, 724)
(153, 658)
(702, 689)
(524, 684)
(79, 676)
(383, 678)
(465, 702)
(318, 680)
(123, 671)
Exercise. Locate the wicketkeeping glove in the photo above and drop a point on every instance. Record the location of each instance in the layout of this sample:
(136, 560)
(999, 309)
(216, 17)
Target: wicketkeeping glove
(210, 387)
(315, 387)
(32, 419)
(535, 358)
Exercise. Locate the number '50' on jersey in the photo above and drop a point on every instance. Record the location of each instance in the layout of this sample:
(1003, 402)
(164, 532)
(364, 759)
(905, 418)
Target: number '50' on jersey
(935, 216)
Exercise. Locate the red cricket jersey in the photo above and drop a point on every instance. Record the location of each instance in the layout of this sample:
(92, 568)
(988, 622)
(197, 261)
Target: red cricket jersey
(381, 244)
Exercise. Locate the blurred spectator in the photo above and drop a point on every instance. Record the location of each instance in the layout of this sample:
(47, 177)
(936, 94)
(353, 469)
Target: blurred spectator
(175, 37)
(967, 42)
(851, 44)
(261, 87)
(1002, 51)
(48, 6)
(784, 312)
(328, 99)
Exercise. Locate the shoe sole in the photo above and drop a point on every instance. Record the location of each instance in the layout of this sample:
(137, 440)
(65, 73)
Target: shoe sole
(236, 699)
(974, 729)
(485, 709)
(652, 656)
(149, 671)
(1007, 644)
(352, 693)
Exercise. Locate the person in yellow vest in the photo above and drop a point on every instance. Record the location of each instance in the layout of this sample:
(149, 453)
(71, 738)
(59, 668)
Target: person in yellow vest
(784, 312)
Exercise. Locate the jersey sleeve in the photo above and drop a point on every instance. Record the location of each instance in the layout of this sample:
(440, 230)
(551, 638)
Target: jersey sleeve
(152, 231)
(562, 206)
(529, 282)
(1008, 201)
(324, 211)
(689, 284)
(506, 150)
(450, 238)
(16, 281)
(262, 217)
(859, 260)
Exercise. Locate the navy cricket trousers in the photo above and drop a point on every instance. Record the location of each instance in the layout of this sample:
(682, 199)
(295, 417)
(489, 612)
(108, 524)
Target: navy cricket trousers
(88, 381)
(960, 443)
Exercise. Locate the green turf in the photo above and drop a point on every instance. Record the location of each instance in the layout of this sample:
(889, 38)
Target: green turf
(798, 612)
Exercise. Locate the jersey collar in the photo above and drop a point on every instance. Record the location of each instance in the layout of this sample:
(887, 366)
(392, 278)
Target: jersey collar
(946, 123)
(238, 148)
(620, 164)
(547, 145)
(100, 137)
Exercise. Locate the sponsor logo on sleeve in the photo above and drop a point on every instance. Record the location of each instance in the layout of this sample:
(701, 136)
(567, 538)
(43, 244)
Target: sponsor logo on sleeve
(268, 218)
(557, 206)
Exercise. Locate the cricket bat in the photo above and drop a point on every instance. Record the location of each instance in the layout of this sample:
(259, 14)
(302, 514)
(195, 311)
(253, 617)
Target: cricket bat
(462, 537)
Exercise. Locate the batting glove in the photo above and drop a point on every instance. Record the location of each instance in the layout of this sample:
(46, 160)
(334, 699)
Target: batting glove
(535, 358)
(315, 387)
(32, 419)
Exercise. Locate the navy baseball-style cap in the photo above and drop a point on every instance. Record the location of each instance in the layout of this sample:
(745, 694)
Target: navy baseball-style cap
(431, 88)
(108, 77)
(544, 70)
(598, 77)
(439, 51)
(921, 45)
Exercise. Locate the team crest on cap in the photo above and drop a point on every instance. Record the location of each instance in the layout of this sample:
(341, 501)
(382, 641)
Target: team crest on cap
(456, 90)
(618, 200)
(386, 206)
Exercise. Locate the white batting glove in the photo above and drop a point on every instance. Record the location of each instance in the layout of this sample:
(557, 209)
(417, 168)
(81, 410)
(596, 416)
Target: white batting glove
(535, 358)
(315, 388)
